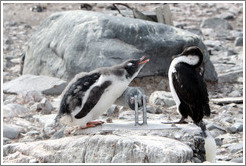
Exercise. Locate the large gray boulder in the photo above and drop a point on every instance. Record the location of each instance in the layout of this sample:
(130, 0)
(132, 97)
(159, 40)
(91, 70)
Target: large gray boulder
(67, 43)
(100, 149)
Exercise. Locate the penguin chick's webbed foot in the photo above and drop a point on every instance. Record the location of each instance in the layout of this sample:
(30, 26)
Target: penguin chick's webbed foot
(92, 124)
(181, 121)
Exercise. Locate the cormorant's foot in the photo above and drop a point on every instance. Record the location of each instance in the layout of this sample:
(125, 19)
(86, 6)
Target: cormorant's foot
(179, 122)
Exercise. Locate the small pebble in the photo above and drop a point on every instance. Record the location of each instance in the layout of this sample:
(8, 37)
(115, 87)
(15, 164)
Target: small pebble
(109, 120)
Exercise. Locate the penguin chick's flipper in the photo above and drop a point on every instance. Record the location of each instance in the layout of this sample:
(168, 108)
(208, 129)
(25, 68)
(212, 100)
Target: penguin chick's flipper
(181, 121)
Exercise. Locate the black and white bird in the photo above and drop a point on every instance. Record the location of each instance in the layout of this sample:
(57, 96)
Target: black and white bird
(88, 95)
(189, 91)
(187, 85)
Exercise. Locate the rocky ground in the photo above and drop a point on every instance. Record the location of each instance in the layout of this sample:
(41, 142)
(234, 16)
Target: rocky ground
(28, 115)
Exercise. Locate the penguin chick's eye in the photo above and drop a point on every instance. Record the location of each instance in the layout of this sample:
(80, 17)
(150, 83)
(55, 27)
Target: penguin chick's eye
(129, 64)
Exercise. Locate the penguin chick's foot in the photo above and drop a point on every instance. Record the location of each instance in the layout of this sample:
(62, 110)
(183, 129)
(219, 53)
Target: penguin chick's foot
(92, 124)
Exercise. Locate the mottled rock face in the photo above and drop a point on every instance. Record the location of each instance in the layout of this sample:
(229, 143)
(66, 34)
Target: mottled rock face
(101, 149)
(67, 43)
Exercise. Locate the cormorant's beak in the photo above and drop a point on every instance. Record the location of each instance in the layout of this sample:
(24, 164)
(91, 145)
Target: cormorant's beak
(142, 61)
(175, 56)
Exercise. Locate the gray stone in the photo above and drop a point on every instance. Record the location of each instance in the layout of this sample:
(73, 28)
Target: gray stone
(239, 41)
(180, 25)
(208, 32)
(101, 5)
(6, 141)
(234, 10)
(127, 115)
(218, 141)
(30, 96)
(101, 149)
(240, 79)
(227, 16)
(34, 107)
(216, 23)
(45, 106)
(212, 43)
(45, 84)
(109, 120)
(45, 119)
(12, 24)
(58, 134)
(8, 41)
(9, 99)
(227, 119)
(236, 147)
(158, 110)
(14, 110)
(10, 132)
(161, 85)
(32, 133)
(48, 122)
(196, 160)
(79, 41)
(235, 93)
(113, 111)
(212, 126)
(150, 109)
(232, 129)
(236, 127)
(231, 52)
(239, 126)
(216, 132)
(237, 160)
(162, 98)
(178, 135)
(230, 77)
(27, 26)
(224, 34)
(196, 31)
(236, 33)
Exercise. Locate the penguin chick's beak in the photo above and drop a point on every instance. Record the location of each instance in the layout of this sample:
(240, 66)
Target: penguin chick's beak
(141, 60)
(175, 56)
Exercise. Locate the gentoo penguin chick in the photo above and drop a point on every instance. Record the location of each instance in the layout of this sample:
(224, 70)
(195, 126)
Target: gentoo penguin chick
(88, 95)
(189, 91)
(126, 98)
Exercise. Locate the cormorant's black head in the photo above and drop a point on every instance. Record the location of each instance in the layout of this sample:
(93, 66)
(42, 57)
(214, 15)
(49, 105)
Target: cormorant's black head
(133, 66)
(192, 55)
